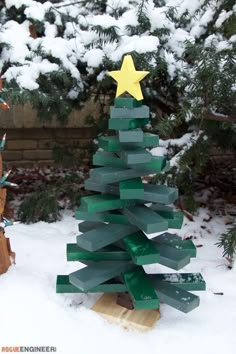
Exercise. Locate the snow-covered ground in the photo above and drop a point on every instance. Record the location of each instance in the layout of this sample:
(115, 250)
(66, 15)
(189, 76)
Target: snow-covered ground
(32, 314)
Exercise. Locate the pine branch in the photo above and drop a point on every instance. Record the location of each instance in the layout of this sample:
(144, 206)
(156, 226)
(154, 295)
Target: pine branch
(219, 118)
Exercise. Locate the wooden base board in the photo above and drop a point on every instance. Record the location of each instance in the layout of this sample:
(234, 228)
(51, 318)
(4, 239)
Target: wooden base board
(142, 320)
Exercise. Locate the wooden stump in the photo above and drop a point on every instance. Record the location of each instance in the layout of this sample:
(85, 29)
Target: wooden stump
(142, 320)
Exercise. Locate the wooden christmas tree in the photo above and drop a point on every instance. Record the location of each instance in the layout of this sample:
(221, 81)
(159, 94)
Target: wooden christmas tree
(114, 244)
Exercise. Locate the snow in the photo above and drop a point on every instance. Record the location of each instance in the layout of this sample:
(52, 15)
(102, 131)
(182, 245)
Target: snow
(187, 22)
(32, 314)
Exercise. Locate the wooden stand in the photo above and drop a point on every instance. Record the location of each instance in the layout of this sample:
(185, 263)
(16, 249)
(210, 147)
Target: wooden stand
(142, 320)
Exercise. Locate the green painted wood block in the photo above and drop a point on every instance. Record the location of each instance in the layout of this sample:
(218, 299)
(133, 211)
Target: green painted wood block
(63, 285)
(141, 289)
(109, 253)
(136, 112)
(135, 156)
(131, 136)
(131, 189)
(111, 217)
(175, 297)
(104, 235)
(92, 185)
(114, 174)
(177, 221)
(156, 164)
(185, 281)
(112, 143)
(121, 102)
(172, 257)
(128, 123)
(97, 273)
(146, 219)
(141, 249)
(163, 210)
(89, 225)
(103, 202)
(160, 194)
(181, 245)
(105, 158)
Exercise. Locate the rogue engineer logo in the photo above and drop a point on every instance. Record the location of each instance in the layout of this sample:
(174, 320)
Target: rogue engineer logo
(28, 349)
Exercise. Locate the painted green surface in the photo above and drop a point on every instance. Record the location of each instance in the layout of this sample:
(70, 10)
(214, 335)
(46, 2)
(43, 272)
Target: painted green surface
(97, 273)
(104, 235)
(103, 202)
(135, 156)
(112, 143)
(131, 189)
(109, 253)
(89, 225)
(130, 136)
(177, 221)
(92, 185)
(114, 174)
(111, 217)
(128, 123)
(185, 281)
(146, 219)
(136, 112)
(141, 289)
(63, 285)
(105, 158)
(172, 257)
(121, 102)
(163, 210)
(181, 245)
(156, 164)
(175, 297)
(141, 249)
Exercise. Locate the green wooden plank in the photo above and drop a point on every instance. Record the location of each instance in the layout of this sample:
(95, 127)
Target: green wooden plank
(128, 123)
(109, 253)
(103, 202)
(63, 285)
(105, 158)
(163, 210)
(123, 102)
(131, 189)
(92, 185)
(185, 281)
(131, 136)
(175, 297)
(182, 245)
(141, 289)
(105, 235)
(160, 194)
(114, 174)
(89, 225)
(112, 217)
(157, 164)
(135, 156)
(172, 257)
(112, 144)
(136, 112)
(146, 219)
(97, 273)
(141, 249)
(177, 221)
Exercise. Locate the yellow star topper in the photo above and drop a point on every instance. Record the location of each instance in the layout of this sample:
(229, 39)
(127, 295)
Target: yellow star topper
(128, 78)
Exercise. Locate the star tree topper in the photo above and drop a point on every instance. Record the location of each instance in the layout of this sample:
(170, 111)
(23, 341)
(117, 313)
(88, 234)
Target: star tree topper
(128, 79)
